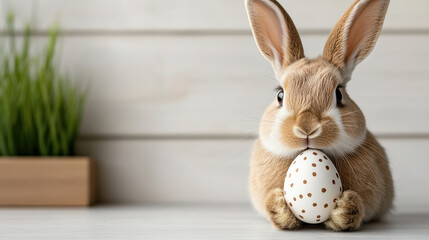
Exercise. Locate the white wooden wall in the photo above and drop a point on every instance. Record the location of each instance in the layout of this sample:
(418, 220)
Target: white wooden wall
(178, 87)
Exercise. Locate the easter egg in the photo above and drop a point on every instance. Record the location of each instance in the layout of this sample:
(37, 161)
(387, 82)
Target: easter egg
(312, 186)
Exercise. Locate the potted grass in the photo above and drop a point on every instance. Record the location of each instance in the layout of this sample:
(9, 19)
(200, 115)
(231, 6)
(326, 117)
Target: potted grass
(40, 113)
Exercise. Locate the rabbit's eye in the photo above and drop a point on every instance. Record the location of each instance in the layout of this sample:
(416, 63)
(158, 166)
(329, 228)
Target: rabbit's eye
(339, 96)
(280, 95)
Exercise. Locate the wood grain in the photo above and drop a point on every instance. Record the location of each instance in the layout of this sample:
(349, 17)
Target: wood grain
(196, 15)
(216, 171)
(220, 85)
(185, 222)
(43, 181)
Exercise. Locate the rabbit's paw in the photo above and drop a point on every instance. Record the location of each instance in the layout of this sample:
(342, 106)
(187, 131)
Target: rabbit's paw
(348, 214)
(279, 213)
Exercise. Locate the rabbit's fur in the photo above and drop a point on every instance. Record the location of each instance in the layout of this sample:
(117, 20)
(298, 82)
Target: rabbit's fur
(311, 115)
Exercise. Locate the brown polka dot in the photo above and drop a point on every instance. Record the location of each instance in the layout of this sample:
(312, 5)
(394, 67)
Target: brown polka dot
(333, 182)
(326, 205)
(323, 190)
(294, 162)
(325, 157)
(290, 174)
(305, 158)
(314, 204)
(290, 204)
(337, 175)
(309, 194)
(327, 167)
(296, 170)
(305, 181)
(314, 174)
(320, 160)
(303, 211)
(294, 198)
(318, 216)
(318, 220)
(315, 153)
(301, 153)
(314, 165)
(335, 200)
(300, 196)
(291, 185)
(301, 216)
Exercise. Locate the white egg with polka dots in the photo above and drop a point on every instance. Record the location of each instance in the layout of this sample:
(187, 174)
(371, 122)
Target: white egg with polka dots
(312, 186)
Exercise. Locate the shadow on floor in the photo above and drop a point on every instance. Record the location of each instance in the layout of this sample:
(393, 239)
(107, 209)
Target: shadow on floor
(392, 221)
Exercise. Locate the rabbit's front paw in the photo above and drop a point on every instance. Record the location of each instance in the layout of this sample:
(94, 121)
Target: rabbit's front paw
(279, 213)
(348, 214)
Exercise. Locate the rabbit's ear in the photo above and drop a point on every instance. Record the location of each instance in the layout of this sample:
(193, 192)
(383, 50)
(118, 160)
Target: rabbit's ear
(275, 33)
(355, 34)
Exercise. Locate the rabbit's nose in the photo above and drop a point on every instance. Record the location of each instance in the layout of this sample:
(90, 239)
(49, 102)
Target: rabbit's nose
(315, 132)
(307, 125)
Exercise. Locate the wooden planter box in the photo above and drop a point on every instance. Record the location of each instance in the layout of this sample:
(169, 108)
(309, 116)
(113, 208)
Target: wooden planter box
(46, 181)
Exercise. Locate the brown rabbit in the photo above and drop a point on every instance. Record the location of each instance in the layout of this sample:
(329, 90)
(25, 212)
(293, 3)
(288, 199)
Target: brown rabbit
(313, 110)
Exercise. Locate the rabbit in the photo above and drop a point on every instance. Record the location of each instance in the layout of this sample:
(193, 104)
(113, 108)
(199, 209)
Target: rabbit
(312, 110)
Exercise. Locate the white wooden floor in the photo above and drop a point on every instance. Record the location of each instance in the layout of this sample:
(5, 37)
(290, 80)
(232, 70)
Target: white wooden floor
(184, 222)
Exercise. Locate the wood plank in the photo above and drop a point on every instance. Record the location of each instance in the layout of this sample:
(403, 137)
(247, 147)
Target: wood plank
(170, 171)
(220, 85)
(171, 15)
(216, 171)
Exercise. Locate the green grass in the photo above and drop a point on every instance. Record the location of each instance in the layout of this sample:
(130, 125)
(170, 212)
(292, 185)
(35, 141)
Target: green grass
(40, 111)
